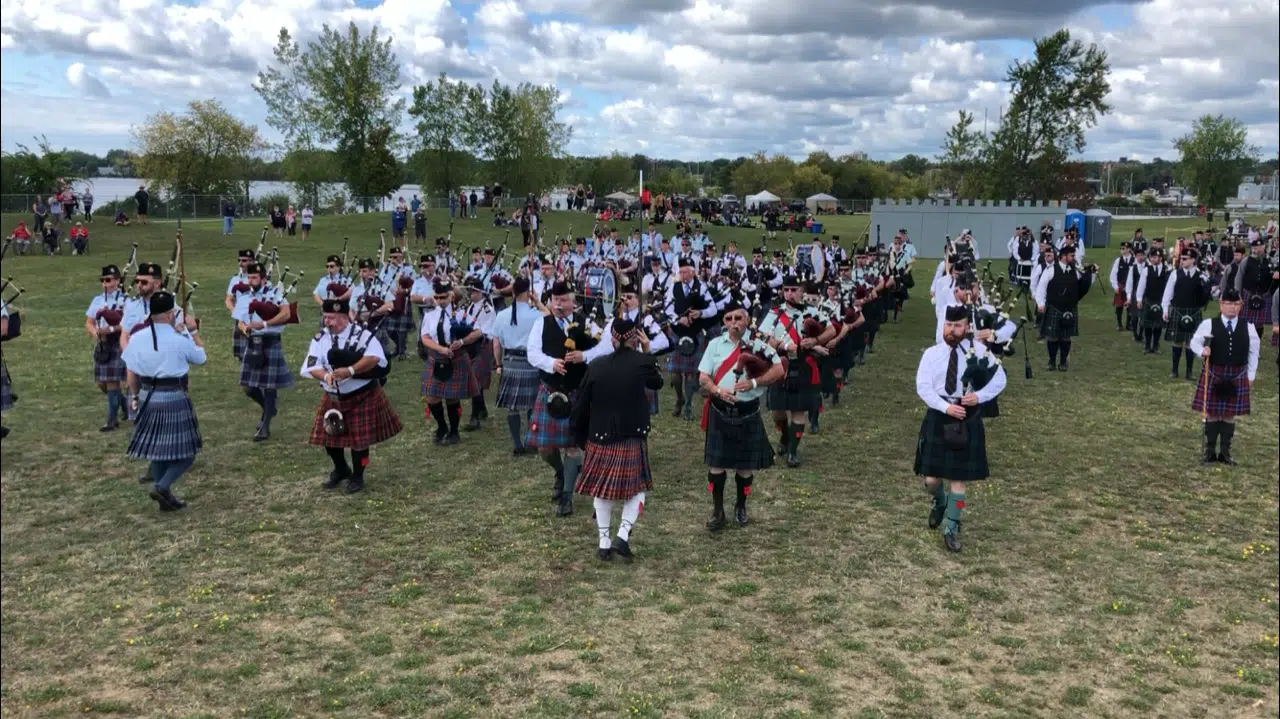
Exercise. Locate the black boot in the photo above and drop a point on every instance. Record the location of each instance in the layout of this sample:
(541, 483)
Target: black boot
(1209, 442)
(1228, 432)
(814, 414)
(740, 507)
(793, 446)
(622, 548)
(952, 539)
(341, 470)
(715, 482)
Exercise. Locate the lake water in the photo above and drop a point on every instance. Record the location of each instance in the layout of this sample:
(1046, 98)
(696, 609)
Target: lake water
(108, 189)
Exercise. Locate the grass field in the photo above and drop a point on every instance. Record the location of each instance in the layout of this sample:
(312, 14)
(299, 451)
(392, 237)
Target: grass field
(1105, 573)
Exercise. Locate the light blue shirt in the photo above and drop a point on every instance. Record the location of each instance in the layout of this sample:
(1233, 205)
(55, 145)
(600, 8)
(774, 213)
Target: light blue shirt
(699, 242)
(390, 273)
(242, 314)
(137, 310)
(237, 279)
(720, 349)
(102, 300)
(514, 337)
(171, 357)
(322, 287)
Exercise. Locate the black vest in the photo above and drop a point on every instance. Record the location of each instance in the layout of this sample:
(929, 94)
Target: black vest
(1186, 291)
(1064, 288)
(1256, 277)
(1232, 271)
(1226, 254)
(1155, 285)
(682, 301)
(1024, 250)
(1122, 272)
(553, 342)
(1229, 349)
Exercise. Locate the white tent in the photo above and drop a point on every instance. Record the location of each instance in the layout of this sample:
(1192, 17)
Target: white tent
(620, 196)
(763, 198)
(821, 201)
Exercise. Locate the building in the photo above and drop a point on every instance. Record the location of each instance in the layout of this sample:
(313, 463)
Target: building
(1259, 188)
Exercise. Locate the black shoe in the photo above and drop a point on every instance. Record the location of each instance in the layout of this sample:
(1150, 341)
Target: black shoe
(439, 438)
(604, 555)
(263, 433)
(336, 478)
(688, 413)
(793, 459)
(1173, 375)
(1188, 377)
(740, 514)
(781, 449)
(936, 514)
(622, 548)
(1051, 368)
(1226, 458)
(165, 500)
(716, 523)
(472, 424)
(1062, 366)
(520, 451)
(450, 440)
(565, 508)
(952, 540)
(355, 484)
(1209, 458)
(813, 428)
(484, 414)
(676, 412)
(835, 400)
(108, 427)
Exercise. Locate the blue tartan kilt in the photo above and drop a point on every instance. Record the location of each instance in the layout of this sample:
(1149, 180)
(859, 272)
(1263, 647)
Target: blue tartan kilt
(545, 431)
(1182, 324)
(461, 383)
(1056, 325)
(482, 365)
(112, 370)
(397, 325)
(274, 372)
(239, 342)
(682, 364)
(1232, 403)
(1259, 316)
(7, 397)
(935, 459)
(519, 383)
(166, 428)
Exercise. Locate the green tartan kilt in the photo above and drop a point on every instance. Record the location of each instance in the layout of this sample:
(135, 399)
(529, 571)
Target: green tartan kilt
(1057, 325)
(935, 459)
(1151, 319)
(1182, 325)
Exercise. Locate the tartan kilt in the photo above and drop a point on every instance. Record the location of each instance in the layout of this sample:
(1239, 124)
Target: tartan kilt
(1260, 316)
(934, 459)
(1275, 339)
(274, 373)
(113, 369)
(1220, 406)
(482, 365)
(460, 385)
(369, 417)
(1054, 327)
(615, 471)
(239, 342)
(519, 383)
(545, 431)
(7, 397)
(166, 428)
(397, 325)
(806, 398)
(736, 438)
(1119, 299)
(1149, 320)
(1179, 331)
(681, 364)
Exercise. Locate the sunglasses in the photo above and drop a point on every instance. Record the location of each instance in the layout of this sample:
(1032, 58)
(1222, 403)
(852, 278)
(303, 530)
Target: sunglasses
(332, 267)
(425, 267)
(109, 279)
(245, 260)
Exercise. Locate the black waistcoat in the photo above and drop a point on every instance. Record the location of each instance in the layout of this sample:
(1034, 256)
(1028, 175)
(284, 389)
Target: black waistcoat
(1064, 288)
(1122, 272)
(1229, 349)
(1155, 285)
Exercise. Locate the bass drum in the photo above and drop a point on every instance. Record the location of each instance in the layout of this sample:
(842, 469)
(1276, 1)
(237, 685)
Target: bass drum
(600, 287)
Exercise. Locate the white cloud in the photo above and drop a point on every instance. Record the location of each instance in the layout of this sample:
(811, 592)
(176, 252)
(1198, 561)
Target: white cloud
(675, 78)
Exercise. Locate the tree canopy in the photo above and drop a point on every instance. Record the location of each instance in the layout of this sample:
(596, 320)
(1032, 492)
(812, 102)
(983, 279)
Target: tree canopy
(205, 151)
(1215, 154)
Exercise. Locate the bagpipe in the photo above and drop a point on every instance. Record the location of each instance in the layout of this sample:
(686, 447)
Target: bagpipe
(349, 354)
(580, 336)
(14, 329)
(756, 356)
(178, 278)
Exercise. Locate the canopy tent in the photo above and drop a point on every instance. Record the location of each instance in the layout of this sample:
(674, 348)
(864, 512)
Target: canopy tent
(620, 196)
(821, 201)
(762, 198)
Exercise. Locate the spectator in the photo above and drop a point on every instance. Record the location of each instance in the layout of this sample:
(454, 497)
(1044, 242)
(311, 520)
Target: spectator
(142, 198)
(472, 200)
(415, 204)
(21, 238)
(398, 220)
(291, 220)
(50, 237)
(40, 211)
(453, 205)
(122, 220)
(87, 200)
(55, 210)
(420, 224)
(307, 216)
(462, 200)
(68, 200)
(79, 236)
(228, 215)
(277, 220)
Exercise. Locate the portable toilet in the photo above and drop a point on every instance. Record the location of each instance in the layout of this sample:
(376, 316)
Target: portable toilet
(1076, 219)
(1099, 228)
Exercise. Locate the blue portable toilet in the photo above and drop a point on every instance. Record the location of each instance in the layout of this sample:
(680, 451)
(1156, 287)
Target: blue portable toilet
(1076, 219)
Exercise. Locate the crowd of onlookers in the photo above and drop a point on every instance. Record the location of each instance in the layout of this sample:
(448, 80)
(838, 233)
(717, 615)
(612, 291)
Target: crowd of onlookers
(53, 222)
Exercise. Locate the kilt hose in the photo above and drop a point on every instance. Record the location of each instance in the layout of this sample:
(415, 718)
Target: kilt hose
(545, 431)
(1182, 325)
(461, 383)
(7, 397)
(519, 383)
(935, 459)
(736, 437)
(1275, 339)
(685, 364)
(1261, 315)
(273, 370)
(166, 428)
(367, 414)
(1057, 327)
(1133, 318)
(1234, 402)
(482, 365)
(615, 471)
(239, 342)
(111, 369)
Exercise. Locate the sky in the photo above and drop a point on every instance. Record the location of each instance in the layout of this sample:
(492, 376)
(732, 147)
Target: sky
(679, 79)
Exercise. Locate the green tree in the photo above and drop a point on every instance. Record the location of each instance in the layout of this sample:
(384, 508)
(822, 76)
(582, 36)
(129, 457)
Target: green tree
(27, 172)
(1057, 96)
(809, 180)
(1215, 154)
(517, 132)
(911, 165)
(961, 158)
(205, 151)
(763, 173)
(673, 181)
(440, 109)
(606, 174)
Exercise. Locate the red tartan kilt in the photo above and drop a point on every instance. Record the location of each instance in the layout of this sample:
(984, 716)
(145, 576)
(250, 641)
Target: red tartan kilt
(369, 418)
(462, 383)
(1119, 299)
(1275, 339)
(615, 471)
(1220, 406)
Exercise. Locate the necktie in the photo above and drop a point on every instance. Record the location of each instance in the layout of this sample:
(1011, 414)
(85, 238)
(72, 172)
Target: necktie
(953, 369)
(1230, 326)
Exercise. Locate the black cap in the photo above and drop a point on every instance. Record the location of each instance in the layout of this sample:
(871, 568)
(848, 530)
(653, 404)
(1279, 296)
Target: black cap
(561, 288)
(162, 302)
(255, 268)
(335, 306)
(790, 281)
(148, 269)
(1124, 245)
(733, 305)
(777, 253)
(473, 283)
(580, 241)
(488, 251)
(475, 250)
(1189, 254)
(520, 286)
(1230, 294)
(331, 258)
(1067, 249)
(1257, 243)
(955, 313)
(426, 258)
(367, 264)
(684, 262)
(111, 271)
(245, 254)
(1156, 252)
(442, 287)
(397, 251)
(622, 328)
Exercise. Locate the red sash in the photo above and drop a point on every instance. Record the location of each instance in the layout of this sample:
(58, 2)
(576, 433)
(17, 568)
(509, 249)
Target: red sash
(721, 371)
(814, 376)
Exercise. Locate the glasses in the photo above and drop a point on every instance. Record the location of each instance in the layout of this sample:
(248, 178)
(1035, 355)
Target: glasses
(424, 267)
(332, 267)
(109, 279)
(244, 260)
(141, 280)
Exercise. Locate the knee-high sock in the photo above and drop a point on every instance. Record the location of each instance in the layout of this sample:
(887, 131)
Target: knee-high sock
(715, 485)
(268, 405)
(1212, 428)
(1119, 317)
(254, 394)
(453, 411)
(572, 465)
(1155, 340)
(604, 516)
(437, 413)
(513, 426)
(1190, 360)
(339, 457)
(939, 493)
(955, 507)
(1064, 347)
(554, 460)
(744, 488)
(113, 405)
(1053, 351)
(1177, 355)
(630, 515)
(360, 460)
(1146, 339)
(172, 471)
(797, 432)
(690, 388)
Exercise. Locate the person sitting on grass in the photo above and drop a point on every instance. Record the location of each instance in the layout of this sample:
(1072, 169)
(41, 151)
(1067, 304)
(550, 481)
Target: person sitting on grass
(121, 218)
(21, 238)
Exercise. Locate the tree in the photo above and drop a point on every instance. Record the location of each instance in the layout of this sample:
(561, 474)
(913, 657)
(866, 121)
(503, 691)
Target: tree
(962, 156)
(34, 173)
(605, 174)
(288, 99)
(1057, 95)
(203, 152)
(911, 165)
(672, 181)
(440, 108)
(808, 180)
(517, 132)
(763, 173)
(1215, 154)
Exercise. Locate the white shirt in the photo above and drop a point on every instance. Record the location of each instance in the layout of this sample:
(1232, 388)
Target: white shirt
(1042, 285)
(1202, 338)
(1114, 277)
(1002, 335)
(542, 361)
(1013, 250)
(695, 287)
(931, 376)
(1180, 275)
(318, 355)
(658, 340)
(1142, 279)
(482, 316)
(307, 215)
(432, 319)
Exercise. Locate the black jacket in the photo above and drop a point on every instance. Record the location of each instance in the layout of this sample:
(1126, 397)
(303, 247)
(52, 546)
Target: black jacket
(611, 405)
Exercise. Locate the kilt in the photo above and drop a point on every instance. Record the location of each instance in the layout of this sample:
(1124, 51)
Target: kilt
(736, 437)
(1260, 316)
(1149, 320)
(681, 364)
(518, 387)
(7, 397)
(1275, 339)
(545, 431)
(239, 342)
(1055, 327)
(1119, 299)
(482, 365)
(166, 428)
(1220, 406)
(805, 398)
(368, 416)
(113, 369)
(397, 325)
(460, 385)
(1178, 330)
(934, 459)
(274, 374)
(615, 471)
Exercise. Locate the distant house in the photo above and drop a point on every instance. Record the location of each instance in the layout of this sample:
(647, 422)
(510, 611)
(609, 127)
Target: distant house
(1259, 188)
(107, 171)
